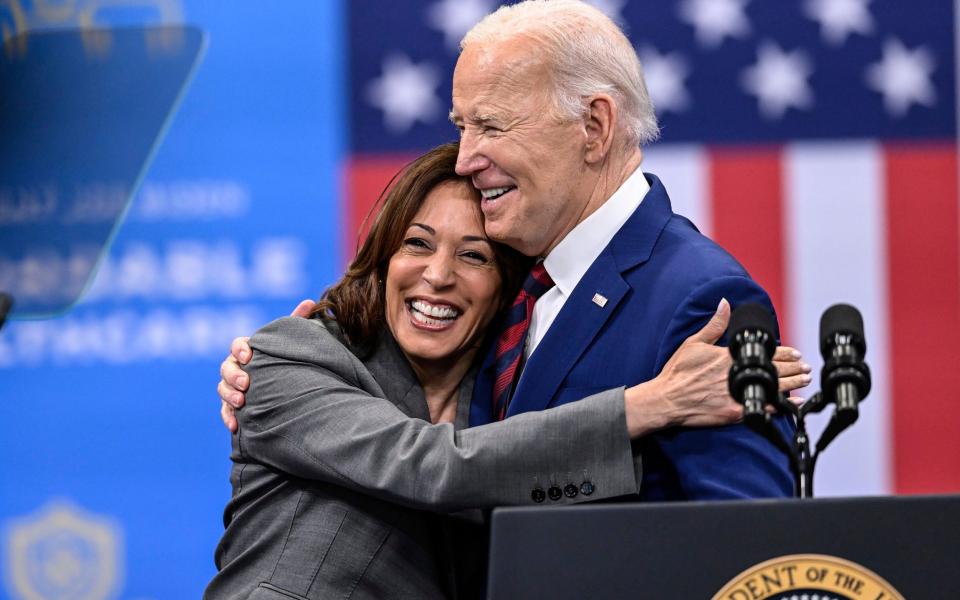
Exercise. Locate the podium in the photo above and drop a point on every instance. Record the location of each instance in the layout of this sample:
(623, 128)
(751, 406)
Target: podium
(879, 548)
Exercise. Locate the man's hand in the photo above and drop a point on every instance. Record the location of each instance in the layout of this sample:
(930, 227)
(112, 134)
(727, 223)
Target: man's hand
(233, 381)
(691, 390)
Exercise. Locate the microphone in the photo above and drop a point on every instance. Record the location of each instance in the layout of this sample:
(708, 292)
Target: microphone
(845, 378)
(753, 378)
(6, 303)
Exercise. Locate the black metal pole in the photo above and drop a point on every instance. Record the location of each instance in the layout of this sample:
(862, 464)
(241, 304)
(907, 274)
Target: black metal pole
(804, 474)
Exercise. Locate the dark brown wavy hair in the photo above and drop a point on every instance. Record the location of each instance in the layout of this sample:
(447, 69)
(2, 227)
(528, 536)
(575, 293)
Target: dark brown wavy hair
(357, 300)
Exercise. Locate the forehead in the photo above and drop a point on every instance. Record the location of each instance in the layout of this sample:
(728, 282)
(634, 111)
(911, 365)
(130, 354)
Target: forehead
(451, 205)
(496, 76)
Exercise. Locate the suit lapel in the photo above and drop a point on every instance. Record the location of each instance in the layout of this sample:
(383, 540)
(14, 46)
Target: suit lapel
(581, 319)
(399, 383)
(481, 409)
(571, 333)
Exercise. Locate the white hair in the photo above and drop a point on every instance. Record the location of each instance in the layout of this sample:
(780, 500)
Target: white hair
(589, 55)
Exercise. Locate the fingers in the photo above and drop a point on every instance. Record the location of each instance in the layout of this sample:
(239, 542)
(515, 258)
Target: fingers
(303, 309)
(793, 372)
(791, 368)
(240, 350)
(786, 353)
(795, 382)
(233, 376)
(228, 416)
(714, 329)
(230, 395)
(234, 381)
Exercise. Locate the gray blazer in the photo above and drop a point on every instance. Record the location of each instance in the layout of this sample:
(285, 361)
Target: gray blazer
(338, 473)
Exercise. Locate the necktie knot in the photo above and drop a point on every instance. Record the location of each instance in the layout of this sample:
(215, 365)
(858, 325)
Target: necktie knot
(538, 281)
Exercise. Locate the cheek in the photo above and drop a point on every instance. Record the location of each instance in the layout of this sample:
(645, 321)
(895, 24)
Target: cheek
(392, 282)
(487, 289)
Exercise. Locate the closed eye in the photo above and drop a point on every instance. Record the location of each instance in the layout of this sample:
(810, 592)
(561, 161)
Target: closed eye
(415, 242)
(474, 256)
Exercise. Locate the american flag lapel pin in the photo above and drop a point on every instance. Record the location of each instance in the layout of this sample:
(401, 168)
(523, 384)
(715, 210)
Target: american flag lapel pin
(599, 299)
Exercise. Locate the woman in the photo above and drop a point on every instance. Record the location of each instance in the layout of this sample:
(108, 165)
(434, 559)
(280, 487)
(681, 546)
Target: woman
(347, 437)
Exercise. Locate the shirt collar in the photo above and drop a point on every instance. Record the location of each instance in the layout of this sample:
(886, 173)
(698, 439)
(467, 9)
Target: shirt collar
(569, 260)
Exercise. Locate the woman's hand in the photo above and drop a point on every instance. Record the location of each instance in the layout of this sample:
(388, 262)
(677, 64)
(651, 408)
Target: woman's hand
(691, 390)
(233, 381)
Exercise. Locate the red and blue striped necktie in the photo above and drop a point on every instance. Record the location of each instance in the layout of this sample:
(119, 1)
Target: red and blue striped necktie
(511, 341)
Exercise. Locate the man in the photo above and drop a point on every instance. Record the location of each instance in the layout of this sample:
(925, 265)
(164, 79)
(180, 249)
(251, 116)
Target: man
(552, 108)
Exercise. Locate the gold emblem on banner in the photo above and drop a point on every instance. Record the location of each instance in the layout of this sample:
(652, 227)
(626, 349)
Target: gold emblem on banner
(808, 576)
(63, 552)
(18, 16)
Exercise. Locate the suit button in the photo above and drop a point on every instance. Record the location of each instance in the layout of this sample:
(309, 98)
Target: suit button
(586, 488)
(538, 495)
(570, 490)
(555, 493)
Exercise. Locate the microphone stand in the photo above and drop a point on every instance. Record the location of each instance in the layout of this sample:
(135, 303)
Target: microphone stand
(844, 382)
(803, 461)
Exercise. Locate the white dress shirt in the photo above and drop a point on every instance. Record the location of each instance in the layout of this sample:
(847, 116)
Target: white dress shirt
(569, 260)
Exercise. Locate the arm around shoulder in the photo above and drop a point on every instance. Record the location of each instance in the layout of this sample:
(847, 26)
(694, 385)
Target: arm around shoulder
(729, 461)
(313, 411)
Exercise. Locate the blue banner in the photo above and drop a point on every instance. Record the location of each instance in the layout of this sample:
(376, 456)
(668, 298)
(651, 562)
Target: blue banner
(114, 469)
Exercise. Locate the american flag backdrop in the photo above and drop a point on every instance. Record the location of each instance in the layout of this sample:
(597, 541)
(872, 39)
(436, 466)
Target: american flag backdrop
(814, 139)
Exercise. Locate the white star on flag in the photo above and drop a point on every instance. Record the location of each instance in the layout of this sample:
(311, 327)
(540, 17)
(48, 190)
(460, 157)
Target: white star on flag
(405, 93)
(455, 18)
(716, 20)
(779, 80)
(665, 74)
(611, 8)
(840, 18)
(903, 77)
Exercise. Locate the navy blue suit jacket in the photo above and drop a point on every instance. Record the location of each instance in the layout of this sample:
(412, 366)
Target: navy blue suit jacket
(663, 280)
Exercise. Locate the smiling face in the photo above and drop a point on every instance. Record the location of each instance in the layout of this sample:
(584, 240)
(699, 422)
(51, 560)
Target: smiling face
(528, 164)
(442, 284)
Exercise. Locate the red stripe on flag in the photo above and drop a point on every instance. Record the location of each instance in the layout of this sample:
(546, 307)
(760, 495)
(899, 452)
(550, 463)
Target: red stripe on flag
(366, 178)
(924, 297)
(746, 188)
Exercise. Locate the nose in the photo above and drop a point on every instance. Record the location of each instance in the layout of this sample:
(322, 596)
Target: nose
(438, 272)
(469, 159)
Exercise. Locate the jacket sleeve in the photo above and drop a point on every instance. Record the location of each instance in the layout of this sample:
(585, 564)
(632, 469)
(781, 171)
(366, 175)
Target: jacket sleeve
(721, 462)
(314, 412)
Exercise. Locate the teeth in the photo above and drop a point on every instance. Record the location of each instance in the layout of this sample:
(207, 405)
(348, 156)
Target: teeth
(429, 322)
(494, 192)
(438, 312)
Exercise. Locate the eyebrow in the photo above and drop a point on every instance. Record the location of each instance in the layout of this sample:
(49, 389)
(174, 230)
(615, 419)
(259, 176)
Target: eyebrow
(426, 228)
(466, 238)
(477, 118)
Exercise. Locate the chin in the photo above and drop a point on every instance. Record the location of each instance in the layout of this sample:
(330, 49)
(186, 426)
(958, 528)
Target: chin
(502, 233)
(424, 349)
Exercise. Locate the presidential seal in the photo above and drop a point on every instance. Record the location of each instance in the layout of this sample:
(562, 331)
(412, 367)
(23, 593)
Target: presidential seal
(65, 553)
(808, 577)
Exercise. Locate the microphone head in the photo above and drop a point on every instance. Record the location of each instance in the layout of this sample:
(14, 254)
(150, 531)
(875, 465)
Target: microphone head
(842, 319)
(753, 317)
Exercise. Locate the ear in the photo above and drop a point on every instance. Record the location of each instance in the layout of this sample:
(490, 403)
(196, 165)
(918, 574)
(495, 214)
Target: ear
(600, 123)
